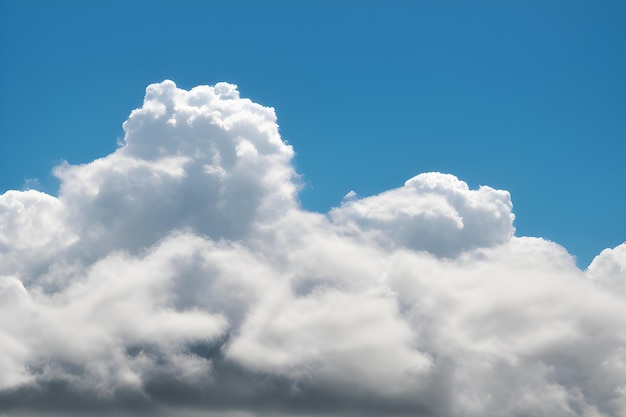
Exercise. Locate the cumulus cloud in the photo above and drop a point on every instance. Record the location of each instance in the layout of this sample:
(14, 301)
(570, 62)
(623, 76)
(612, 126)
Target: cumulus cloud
(180, 276)
(609, 268)
(433, 212)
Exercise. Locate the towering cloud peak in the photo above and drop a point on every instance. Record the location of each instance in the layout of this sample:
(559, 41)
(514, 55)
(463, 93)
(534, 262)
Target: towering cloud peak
(179, 276)
(203, 159)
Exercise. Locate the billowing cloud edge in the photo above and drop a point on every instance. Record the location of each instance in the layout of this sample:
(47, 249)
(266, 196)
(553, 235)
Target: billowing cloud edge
(180, 272)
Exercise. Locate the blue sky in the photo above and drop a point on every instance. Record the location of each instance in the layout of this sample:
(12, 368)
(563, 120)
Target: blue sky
(524, 96)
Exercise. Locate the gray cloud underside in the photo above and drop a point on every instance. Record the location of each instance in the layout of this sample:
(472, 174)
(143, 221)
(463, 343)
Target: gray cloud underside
(180, 276)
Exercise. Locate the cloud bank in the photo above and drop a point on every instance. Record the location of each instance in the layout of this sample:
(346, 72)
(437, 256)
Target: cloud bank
(180, 276)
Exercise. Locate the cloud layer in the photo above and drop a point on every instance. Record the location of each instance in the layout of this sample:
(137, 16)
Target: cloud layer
(179, 276)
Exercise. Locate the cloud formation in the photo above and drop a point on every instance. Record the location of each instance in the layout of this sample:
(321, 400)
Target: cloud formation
(434, 212)
(180, 276)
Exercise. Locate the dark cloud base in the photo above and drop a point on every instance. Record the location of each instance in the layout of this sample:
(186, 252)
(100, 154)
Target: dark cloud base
(236, 391)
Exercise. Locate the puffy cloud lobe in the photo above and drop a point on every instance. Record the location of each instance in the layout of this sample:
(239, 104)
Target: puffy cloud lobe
(31, 231)
(433, 212)
(522, 328)
(334, 338)
(119, 304)
(178, 276)
(609, 268)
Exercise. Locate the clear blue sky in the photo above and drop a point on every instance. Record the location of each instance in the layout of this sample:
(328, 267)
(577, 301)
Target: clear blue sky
(528, 96)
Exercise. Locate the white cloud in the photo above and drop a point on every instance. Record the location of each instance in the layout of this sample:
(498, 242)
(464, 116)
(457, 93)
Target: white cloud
(203, 159)
(179, 275)
(609, 268)
(433, 212)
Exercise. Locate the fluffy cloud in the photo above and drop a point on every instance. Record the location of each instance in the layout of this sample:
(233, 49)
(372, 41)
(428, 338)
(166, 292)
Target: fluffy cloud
(179, 276)
(433, 212)
(203, 159)
(609, 268)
